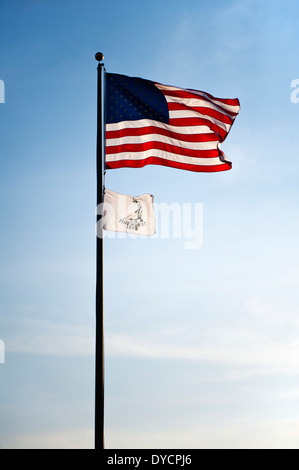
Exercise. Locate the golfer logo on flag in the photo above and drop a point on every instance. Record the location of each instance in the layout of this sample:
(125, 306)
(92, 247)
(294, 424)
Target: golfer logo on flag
(134, 220)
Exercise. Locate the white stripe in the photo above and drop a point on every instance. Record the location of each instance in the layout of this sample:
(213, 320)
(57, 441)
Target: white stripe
(164, 155)
(194, 114)
(228, 107)
(161, 138)
(184, 113)
(197, 102)
(148, 122)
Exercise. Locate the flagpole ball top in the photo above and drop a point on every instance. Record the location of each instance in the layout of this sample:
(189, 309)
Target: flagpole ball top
(99, 56)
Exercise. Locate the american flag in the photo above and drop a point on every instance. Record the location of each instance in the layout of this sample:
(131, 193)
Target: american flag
(151, 123)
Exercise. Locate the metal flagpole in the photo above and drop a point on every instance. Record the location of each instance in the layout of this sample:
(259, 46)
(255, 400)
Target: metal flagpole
(99, 347)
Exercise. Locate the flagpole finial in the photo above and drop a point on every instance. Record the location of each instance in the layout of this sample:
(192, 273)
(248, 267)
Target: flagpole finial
(99, 56)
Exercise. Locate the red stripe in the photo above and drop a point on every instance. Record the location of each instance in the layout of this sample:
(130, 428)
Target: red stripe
(161, 161)
(119, 133)
(210, 99)
(202, 110)
(142, 147)
(203, 118)
(176, 122)
(228, 101)
(190, 122)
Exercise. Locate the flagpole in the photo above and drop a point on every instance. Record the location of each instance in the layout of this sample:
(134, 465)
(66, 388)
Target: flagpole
(99, 340)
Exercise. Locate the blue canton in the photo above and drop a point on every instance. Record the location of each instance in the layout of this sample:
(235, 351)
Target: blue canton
(131, 99)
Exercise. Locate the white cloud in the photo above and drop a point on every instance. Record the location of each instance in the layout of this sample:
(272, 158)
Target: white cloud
(276, 434)
(65, 439)
(291, 278)
(264, 336)
(229, 346)
(48, 337)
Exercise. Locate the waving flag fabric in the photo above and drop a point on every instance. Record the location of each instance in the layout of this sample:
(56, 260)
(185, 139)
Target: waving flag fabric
(151, 123)
(130, 214)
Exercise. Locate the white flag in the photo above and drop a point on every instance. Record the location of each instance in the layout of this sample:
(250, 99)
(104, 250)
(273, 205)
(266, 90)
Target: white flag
(123, 213)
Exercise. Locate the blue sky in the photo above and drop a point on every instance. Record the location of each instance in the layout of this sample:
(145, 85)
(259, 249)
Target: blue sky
(201, 345)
